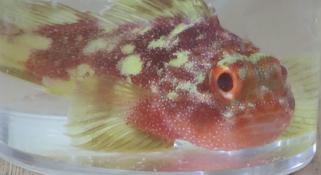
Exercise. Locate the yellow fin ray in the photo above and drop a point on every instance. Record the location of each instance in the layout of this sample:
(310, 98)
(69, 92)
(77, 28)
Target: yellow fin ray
(124, 11)
(19, 38)
(304, 78)
(28, 16)
(97, 119)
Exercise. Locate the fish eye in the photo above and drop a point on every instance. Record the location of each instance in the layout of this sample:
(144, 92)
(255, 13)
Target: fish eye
(225, 82)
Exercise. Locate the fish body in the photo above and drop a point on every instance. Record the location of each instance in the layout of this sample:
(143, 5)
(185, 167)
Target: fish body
(157, 77)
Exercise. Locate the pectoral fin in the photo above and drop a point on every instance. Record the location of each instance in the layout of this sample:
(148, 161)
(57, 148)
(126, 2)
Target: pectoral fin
(304, 78)
(98, 117)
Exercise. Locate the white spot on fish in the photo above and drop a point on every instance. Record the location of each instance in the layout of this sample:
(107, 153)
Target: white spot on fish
(251, 105)
(154, 88)
(228, 114)
(242, 107)
(131, 65)
(283, 102)
(264, 89)
(228, 95)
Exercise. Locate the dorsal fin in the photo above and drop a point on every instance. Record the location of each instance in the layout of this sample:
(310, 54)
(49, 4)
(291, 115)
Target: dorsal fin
(28, 16)
(124, 11)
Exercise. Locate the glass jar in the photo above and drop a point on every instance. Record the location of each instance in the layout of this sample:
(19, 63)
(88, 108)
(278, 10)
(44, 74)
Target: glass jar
(38, 92)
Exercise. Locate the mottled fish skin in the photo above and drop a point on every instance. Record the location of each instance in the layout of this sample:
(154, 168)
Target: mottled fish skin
(179, 62)
(170, 49)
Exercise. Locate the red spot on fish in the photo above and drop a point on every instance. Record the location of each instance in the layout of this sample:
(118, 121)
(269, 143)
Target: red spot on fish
(210, 28)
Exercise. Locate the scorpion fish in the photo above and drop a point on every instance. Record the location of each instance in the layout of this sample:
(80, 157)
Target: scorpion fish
(144, 74)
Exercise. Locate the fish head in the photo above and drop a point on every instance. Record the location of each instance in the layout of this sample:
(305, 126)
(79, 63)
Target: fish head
(252, 82)
(254, 96)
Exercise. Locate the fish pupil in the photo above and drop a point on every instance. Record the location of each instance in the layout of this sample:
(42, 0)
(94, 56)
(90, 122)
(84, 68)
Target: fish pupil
(225, 82)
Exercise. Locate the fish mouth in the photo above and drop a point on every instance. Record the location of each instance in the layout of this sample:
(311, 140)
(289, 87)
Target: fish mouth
(244, 133)
(249, 128)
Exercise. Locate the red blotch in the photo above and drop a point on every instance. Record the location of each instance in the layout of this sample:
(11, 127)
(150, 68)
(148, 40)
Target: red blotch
(203, 124)
(105, 63)
(209, 28)
(65, 52)
(172, 120)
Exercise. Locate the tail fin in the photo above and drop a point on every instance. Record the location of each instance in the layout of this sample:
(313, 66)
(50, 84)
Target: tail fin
(14, 52)
(19, 37)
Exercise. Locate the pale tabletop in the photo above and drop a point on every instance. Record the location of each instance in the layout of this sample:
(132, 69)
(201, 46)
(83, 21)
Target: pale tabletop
(313, 168)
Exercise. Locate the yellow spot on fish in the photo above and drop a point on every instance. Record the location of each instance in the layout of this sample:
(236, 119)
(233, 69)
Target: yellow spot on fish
(187, 86)
(230, 59)
(181, 59)
(17, 50)
(233, 58)
(128, 49)
(172, 95)
(159, 43)
(254, 58)
(177, 30)
(200, 78)
(96, 45)
(141, 31)
(131, 65)
(81, 72)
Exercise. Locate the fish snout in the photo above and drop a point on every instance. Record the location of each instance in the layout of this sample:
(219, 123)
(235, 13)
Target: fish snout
(270, 73)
